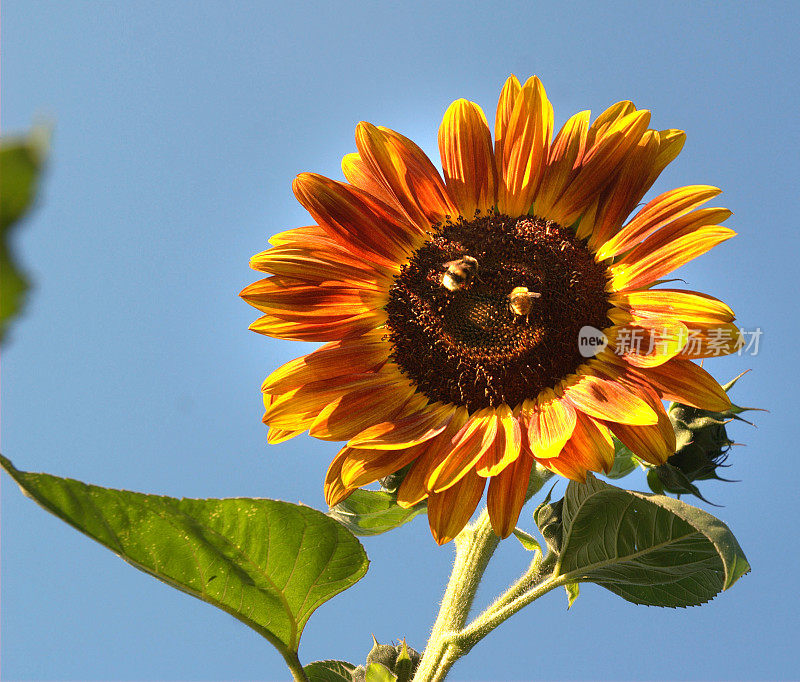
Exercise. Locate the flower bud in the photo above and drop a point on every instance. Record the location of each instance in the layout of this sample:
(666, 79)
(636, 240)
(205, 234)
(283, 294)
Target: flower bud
(702, 446)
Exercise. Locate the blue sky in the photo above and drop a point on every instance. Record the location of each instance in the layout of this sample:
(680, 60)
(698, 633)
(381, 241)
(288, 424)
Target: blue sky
(178, 130)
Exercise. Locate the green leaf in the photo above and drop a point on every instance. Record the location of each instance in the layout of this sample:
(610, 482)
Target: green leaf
(527, 540)
(372, 512)
(20, 161)
(269, 564)
(329, 671)
(649, 549)
(624, 461)
(377, 672)
(573, 590)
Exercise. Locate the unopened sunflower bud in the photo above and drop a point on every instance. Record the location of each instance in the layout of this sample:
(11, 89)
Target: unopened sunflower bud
(385, 654)
(702, 446)
(407, 662)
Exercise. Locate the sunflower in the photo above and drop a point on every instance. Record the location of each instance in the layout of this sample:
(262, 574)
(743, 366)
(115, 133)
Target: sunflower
(452, 307)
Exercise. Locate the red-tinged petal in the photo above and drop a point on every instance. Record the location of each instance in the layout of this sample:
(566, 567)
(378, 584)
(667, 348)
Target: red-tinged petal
(469, 445)
(295, 298)
(685, 382)
(522, 158)
(297, 409)
(319, 264)
(402, 167)
(323, 329)
(589, 449)
(351, 356)
(449, 510)
(650, 342)
(562, 163)
(335, 490)
(436, 450)
(362, 467)
(656, 214)
(600, 164)
(506, 447)
(299, 236)
(711, 340)
(686, 306)
(550, 424)
(506, 495)
(359, 175)
(647, 263)
(670, 144)
(353, 220)
(275, 436)
(465, 145)
(354, 411)
(653, 443)
(505, 105)
(410, 430)
(627, 189)
(608, 400)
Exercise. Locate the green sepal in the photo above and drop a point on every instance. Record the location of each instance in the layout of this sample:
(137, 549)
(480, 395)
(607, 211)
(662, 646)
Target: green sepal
(573, 590)
(377, 672)
(372, 512)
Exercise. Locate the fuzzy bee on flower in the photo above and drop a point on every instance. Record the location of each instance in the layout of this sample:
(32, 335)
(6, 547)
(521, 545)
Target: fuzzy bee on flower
(459, 273)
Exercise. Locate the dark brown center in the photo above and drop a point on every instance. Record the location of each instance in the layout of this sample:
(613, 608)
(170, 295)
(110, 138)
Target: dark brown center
(489, 311)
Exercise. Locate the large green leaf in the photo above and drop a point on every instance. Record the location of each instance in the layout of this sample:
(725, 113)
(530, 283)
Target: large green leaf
(268, 563)
(649, 549)
(371, 512)
(20, 162)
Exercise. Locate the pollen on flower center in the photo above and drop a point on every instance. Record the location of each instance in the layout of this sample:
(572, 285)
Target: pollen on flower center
(488, 311)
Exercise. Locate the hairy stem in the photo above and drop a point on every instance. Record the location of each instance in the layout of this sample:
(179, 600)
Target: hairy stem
(474, 547)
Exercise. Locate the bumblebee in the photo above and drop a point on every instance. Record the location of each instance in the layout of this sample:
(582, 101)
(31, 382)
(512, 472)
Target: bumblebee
(459, 273)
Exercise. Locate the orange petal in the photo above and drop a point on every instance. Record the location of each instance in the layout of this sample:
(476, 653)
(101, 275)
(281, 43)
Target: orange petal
(353, 220)
(505, 105)
(650, 342)
(436, 450)
(320, 329)
(600, 164)
(659, 212)
(522, 149)
(685, 382)
(350, 414)
(351, 356)
(335, 490)
(506, 447)
(449, 511)
(589, 449)
(653, 443)
(465, 145)
(563, 162)
(402, 167)
(469, 445)
(319, 266)
(647, 262)
(362, 467)
(359, 175)
(407, 431)
(550, 424)
(506, 495)
(687, 306)
(608, 400)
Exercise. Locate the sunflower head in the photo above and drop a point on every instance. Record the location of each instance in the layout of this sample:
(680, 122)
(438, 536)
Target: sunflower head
(451, 306)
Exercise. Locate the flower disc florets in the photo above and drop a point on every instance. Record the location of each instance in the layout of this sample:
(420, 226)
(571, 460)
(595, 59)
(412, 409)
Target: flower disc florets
(468, 345)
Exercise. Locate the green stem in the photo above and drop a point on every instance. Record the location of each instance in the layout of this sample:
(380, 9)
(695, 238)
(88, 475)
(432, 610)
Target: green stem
(475, 546)
(298, 674)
